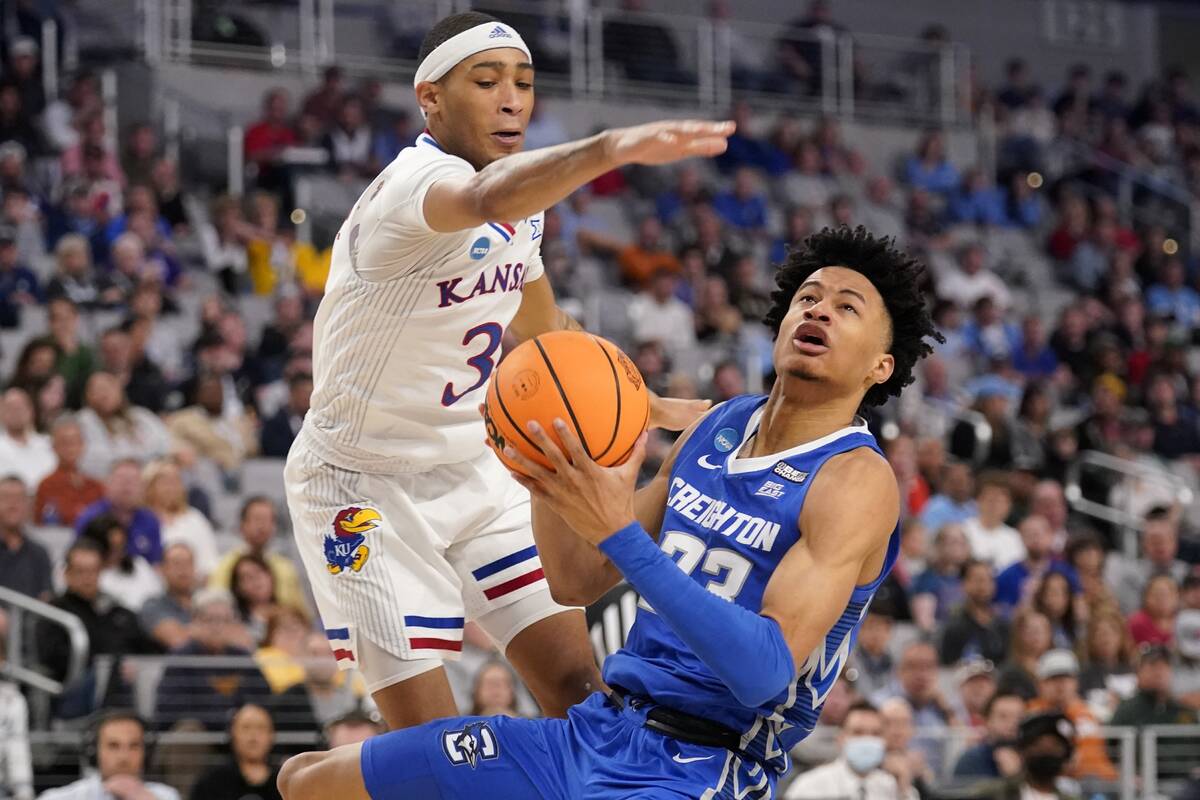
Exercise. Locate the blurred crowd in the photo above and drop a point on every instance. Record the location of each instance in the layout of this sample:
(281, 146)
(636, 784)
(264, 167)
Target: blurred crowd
(158, 343)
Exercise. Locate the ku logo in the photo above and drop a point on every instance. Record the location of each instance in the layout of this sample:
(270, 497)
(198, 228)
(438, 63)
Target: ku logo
(346, 549)
(472, 744)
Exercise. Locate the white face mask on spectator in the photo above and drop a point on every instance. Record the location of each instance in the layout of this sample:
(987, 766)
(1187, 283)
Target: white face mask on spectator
(863, 753)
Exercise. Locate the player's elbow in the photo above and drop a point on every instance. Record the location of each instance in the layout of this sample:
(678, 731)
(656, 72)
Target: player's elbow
(574, 592)
(292, 780)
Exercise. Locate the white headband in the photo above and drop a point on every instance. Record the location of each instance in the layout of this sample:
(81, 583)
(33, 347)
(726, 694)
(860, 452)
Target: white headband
(448, 54)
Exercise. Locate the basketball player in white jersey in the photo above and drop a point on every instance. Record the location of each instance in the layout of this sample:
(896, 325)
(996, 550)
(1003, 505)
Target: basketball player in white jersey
(407, 526)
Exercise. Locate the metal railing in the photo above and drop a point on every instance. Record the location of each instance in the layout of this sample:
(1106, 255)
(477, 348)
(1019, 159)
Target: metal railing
(19, 607)
(603, 53)
(1126, 521)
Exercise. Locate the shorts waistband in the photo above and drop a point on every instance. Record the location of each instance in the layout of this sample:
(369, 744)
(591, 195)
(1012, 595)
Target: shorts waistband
(680, 725)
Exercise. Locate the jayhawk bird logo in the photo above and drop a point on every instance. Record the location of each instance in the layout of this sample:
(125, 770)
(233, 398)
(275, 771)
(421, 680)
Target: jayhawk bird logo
(472, 744)
(346, 549)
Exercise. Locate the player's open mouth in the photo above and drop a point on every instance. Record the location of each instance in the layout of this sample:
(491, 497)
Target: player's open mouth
(810, 339)
(507, 138)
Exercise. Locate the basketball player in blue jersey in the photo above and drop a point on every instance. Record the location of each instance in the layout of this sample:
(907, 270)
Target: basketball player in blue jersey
(756, 549)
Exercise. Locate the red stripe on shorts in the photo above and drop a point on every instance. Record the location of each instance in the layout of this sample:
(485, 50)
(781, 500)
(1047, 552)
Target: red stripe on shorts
(340, 654)
(434, 644)
(516, 583)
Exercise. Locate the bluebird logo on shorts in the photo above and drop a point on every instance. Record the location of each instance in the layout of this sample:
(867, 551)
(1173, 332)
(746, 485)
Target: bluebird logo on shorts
(472, 744)
(480, 248)
(346, 549)
(726, 439)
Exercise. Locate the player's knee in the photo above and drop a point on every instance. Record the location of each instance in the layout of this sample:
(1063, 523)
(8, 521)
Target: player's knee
(295, 779)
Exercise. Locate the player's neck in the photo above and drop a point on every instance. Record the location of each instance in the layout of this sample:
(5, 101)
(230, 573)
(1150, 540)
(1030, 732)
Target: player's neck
(788, 422)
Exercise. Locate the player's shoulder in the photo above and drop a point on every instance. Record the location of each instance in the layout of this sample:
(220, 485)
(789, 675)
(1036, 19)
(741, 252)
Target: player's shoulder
(856, 481)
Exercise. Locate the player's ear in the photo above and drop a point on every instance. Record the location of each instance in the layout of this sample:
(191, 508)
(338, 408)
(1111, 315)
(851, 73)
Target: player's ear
(883, 369)
(427, 96)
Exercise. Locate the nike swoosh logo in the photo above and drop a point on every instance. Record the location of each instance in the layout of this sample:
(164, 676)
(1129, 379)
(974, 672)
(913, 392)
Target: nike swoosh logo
(679, 760)
(703, 461)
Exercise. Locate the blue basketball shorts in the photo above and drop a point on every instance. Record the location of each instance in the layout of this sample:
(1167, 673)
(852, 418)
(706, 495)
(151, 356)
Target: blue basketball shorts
(598, 753)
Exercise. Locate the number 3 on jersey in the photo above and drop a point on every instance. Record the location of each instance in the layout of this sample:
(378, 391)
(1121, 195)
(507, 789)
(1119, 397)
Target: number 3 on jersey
(482, 362)
(689, 552)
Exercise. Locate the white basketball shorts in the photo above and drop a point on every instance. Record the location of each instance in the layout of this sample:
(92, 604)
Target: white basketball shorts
(399, 563)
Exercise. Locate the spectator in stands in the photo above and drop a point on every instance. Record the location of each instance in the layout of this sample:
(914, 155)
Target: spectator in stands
(124, 357)
(917, 683)
(1159, 556)
(257, 528)
(1038, 539)
(929, 168)
(349, 141)
(800, 49)
(24, 564)
(1058, 693)
(325, 101)
(937, 590)
(351, 728)
(73, 278)
(266, 139)
(253, 589)
(1018, 86)
(283, 653)
(870, 655)
(224, 241)
(747, 151)
(642, 46)
(1154, 622)
(978, 201)
(166, 497)
(642, 260)
(206, 428)
(66, 491)
(1076, 97)
(16, 124)
(1108, 656)
(279, 431)
(1086, 555)
(92, 147)
(991, 540)
(1185, 682)
(658, 315)
(972, 280)
(168, 617)
(975, 679)
(19, 287)
(954, 502)
(879, 211)
(996, 756)
(119, 739)
(1176, 427)
(905, 762)
(1031, 639)
(23, 450)
(1172, 296)
(858, 771)
(16, 761)
(112, 629)
(331, 693)
(807, 185)
(248, 772)
(1045, 744)
(743, 206)
(975, 630)
(208, 693)
(141, 153)
(129, 579)
(1049, 502)
(494, 691)
(76, 361)
(123, 500)
(1152, 703)
(113, 429)
(1053, 598)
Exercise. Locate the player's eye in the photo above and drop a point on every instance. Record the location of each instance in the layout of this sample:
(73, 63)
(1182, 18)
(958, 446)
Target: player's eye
(849, 307)
(485, 84)
(524, 85)
(807, 298)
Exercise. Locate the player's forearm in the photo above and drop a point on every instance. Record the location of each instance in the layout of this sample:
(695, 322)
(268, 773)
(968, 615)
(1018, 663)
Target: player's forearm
(577, 572)
(522, 184)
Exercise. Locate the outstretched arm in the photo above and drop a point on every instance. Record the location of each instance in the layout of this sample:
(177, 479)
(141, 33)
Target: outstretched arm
(516, 186)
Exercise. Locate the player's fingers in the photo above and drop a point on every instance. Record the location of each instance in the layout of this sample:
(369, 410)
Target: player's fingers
(526, 465)
(709, 146)
(636, 456)
(550, 448)
(571, 444)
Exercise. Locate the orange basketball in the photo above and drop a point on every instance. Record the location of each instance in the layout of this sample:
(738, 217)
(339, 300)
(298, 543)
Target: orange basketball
(579, 378)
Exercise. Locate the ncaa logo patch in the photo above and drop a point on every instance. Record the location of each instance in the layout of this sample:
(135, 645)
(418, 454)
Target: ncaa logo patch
(472, 744)
(789, 473)
(480, 248)
(347, 548)
(726, 439)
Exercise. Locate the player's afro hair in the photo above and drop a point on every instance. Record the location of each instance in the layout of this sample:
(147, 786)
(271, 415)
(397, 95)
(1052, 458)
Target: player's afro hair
(450, 27)
(896, 276)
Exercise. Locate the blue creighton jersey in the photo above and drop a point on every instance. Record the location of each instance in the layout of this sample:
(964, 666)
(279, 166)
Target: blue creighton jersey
(729, 521)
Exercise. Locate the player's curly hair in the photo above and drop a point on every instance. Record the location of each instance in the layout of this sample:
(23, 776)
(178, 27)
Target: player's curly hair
(449, 27)
(897, 277)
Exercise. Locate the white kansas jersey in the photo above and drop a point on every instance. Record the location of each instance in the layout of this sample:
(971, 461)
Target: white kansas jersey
(409, 329)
